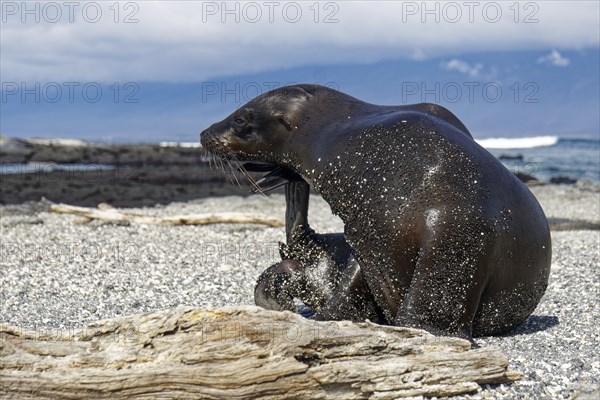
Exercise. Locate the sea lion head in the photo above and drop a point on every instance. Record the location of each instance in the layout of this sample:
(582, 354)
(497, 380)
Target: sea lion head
(262, 129)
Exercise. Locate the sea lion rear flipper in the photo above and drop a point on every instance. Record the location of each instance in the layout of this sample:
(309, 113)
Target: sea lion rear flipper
(277, 286)
(445, 303)
(352, 300)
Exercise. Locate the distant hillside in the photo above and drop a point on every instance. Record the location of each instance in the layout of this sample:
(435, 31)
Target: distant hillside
(495, 94)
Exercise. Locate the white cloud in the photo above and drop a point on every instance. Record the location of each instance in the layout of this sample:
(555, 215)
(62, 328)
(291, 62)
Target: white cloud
(463, 67)
(554, 58)
(180, 41)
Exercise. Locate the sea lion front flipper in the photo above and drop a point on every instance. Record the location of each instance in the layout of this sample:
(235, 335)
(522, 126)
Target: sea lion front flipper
(279, 284)
(296, 212)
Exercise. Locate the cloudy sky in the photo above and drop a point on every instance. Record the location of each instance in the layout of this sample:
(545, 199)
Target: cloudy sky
(191, 41)
(166, 48)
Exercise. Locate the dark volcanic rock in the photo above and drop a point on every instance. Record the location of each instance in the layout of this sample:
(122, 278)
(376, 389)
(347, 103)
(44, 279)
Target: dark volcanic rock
(523, 177)
(23, 151)
(121, 175)
(124, 186)
(563, 180)
(518, 157)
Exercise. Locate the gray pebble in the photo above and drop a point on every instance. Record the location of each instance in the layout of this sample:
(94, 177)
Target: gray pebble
(60, 274)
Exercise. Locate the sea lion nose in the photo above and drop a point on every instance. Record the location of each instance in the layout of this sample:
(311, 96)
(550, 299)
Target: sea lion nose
(205, 136)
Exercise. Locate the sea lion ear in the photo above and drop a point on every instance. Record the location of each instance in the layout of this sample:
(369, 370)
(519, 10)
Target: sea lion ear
(304, 93)
(282, 119)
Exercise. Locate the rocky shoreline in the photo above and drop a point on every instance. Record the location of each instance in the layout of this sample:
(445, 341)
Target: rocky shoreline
(123, 175)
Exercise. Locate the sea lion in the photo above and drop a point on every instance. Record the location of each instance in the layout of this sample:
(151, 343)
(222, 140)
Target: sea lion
(446, 238)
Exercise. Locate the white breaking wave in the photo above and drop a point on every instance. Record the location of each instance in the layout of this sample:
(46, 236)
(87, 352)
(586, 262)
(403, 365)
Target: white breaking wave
(518, 143)
(179, 144)
(66, 142)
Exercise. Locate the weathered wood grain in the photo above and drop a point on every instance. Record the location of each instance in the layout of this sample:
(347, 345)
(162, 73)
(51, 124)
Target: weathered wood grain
(239, 353)
(115, 215)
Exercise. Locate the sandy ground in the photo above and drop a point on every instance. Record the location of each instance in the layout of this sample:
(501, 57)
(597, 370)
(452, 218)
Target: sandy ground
(59, 273)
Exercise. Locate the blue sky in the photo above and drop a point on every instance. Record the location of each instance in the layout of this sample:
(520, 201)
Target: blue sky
(165, 70)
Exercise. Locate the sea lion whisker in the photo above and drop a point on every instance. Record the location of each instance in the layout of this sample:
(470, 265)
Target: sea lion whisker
(227, 173)
(222, 167)
(217, 160)
(208, 154)
(228, 169)
(249, 177)
(233, 172)
(211, 158)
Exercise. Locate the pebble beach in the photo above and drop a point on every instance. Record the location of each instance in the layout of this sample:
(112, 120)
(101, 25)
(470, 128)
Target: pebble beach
(59, 272)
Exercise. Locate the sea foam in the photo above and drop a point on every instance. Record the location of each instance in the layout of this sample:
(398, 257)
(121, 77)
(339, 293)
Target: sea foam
(518, 143)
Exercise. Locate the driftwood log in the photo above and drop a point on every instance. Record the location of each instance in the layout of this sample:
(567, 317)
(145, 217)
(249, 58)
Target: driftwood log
(240, 353)
(110, 214)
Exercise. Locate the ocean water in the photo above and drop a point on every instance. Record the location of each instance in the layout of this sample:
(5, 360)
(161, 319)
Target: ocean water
(543, 157)
(547, 157)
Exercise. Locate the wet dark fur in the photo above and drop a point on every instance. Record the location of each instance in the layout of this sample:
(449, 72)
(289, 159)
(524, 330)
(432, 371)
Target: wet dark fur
(442, 236)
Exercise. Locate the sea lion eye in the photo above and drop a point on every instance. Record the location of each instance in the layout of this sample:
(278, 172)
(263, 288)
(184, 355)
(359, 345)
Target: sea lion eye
(239, 122)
